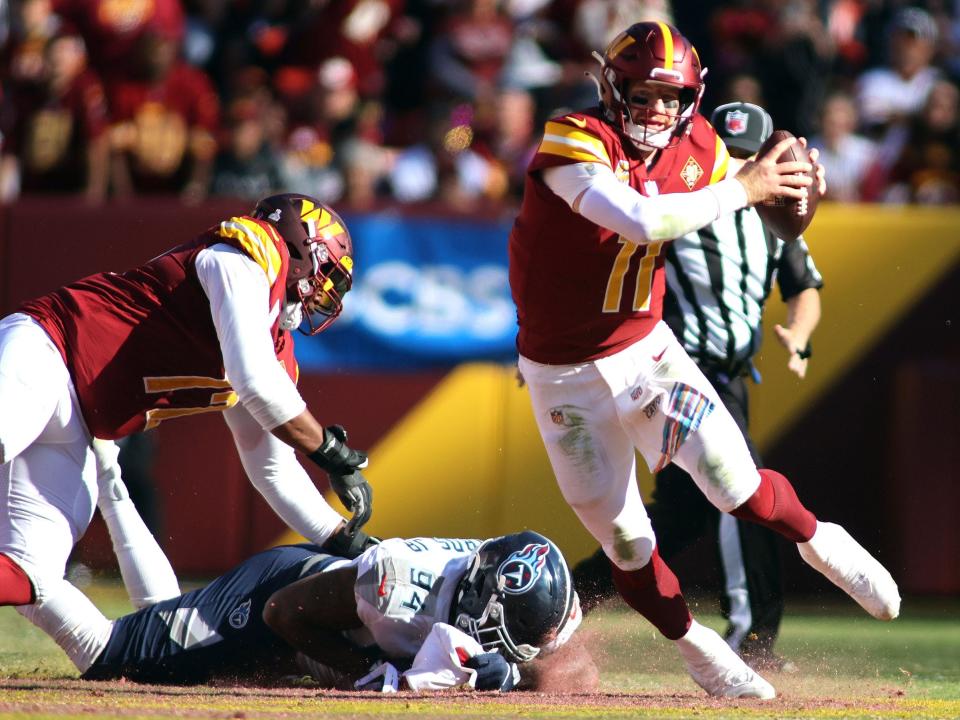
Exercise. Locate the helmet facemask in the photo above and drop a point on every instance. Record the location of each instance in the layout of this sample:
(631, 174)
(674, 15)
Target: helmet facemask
(620, 109)
(491, 632)
(320, 295)
(516, 596)
(320, 268)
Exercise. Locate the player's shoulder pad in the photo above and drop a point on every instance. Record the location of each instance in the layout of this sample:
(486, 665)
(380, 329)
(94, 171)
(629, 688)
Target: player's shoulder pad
(705, 138)
(702, 133)
(574, 137)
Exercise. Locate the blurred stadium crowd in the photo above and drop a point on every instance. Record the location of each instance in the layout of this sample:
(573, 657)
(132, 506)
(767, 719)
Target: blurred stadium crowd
(372, 102)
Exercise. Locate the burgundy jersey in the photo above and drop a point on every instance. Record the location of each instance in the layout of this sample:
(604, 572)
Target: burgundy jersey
(160, 125)
(141, 346)
(582, 291)
(113, 29)
(51, 132)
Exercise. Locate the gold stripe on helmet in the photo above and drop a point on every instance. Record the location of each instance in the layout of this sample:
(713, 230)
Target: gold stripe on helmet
(330, 231)
(320, 215)
(667, 45)
(619, 45)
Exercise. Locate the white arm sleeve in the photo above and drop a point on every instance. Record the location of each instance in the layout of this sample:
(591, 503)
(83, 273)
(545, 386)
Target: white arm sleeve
(273, 469)
(592, 190)
(239, 295)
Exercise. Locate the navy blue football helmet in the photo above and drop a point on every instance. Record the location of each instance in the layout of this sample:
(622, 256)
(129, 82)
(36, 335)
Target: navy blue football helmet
(517, 597)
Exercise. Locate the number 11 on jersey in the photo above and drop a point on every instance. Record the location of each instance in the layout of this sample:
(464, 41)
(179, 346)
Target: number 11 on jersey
(642, 289)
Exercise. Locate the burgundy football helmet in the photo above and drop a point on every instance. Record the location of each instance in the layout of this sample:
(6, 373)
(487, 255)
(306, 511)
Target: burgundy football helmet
(653, 52)
(321, 255)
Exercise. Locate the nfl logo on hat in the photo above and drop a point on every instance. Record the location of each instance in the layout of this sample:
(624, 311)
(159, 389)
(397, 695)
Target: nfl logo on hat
(736, 122)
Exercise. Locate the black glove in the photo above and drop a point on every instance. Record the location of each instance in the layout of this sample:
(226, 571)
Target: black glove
(334, 456)
(346, 544)
(493, 672)
(356, 495)
(342, 465)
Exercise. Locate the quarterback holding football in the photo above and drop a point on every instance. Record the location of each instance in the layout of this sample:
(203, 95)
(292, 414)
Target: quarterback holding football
(609, 187)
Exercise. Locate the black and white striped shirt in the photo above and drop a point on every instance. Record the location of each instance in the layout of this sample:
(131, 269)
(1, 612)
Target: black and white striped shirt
(718, 280)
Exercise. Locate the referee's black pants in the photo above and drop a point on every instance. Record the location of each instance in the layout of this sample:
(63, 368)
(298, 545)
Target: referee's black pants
(681, 514)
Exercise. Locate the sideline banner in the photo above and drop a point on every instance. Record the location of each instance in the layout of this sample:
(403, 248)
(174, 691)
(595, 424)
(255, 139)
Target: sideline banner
(427, 293)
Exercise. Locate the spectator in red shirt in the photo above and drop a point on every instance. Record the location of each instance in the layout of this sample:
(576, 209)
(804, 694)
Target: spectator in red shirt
(364, 32)
(113, 29)
(165, 124)
(57, 135)
(928, 169)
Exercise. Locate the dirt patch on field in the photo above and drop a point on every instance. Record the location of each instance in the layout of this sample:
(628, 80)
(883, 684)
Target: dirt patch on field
(65, 698)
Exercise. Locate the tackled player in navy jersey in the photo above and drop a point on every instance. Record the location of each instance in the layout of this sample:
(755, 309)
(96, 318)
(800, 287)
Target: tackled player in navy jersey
(422, 613)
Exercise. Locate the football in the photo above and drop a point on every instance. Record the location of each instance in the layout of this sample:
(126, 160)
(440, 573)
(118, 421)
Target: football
(785, 217)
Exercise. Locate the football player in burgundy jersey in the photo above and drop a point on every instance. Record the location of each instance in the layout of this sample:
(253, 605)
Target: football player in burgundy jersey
(607, 188)
(205, 327)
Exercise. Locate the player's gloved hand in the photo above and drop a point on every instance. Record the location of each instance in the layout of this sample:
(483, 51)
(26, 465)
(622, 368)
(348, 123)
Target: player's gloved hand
(346, 544)
(343, 465)
(334, 456)
(356, 495)
(493, 672)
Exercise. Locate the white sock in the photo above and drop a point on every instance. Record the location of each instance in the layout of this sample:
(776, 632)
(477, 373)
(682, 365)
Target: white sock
(145, 569)
(74, 623)
(698, 640)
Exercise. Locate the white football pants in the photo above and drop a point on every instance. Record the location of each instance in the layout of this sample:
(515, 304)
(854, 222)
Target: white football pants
(48, 481)
(650, 397)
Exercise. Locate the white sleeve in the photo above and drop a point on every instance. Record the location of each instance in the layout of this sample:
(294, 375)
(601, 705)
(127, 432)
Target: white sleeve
(274, 471)
(239, 303)
(592, 190)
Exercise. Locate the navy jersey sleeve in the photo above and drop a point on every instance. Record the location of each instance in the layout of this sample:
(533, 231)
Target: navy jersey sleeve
(796, 271)
(215, 631)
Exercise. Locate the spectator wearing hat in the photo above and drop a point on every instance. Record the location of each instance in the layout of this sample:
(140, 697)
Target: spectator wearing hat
(718, 280)
(889, 96)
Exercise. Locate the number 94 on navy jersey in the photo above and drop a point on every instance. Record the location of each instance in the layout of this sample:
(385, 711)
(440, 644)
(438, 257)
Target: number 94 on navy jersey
(405, 587)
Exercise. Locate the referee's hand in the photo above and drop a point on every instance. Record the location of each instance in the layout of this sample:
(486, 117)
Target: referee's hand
(795, 346)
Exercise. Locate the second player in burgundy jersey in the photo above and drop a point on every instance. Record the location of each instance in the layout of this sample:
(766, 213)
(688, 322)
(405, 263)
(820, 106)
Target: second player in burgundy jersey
(205, 327)
(123, 335)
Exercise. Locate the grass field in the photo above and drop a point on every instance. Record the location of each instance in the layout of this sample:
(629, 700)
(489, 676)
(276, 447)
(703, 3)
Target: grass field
(848, 666)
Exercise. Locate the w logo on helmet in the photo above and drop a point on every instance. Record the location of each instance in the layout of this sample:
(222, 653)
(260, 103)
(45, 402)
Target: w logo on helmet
(521, 570)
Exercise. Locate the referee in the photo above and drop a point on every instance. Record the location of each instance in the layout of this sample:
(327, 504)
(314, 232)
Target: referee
(718, 280)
